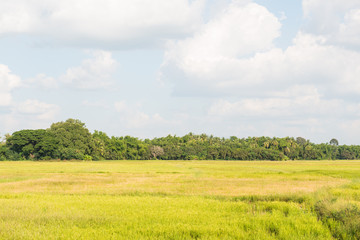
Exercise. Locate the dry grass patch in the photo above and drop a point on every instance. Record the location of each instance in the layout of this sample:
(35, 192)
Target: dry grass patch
(178, 200)
(184, 184)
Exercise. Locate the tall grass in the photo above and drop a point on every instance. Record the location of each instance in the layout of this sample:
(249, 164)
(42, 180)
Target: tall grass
(38, 216)
(339, 209)
(180, 200)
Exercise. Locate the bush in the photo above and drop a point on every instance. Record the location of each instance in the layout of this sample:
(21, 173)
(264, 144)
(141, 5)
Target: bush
(87, 158)
(70, 153)
(342, 217)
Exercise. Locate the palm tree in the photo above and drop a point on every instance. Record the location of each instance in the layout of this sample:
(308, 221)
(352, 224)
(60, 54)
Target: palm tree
(334, 142)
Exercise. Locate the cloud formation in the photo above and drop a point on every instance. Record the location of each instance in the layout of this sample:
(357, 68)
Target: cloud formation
(43, 81)
(8, 82)
(337, 20)
(244, 80)
(234, 55)
(93, 73)
(217, 54)
(133, 117)
(28, 114)
(110, 23)
(233, 59)
(37, 109)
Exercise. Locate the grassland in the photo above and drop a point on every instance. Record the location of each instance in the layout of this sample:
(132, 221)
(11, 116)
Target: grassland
(180, 200)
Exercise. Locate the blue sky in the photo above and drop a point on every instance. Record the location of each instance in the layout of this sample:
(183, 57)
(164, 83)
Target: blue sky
(152, 68)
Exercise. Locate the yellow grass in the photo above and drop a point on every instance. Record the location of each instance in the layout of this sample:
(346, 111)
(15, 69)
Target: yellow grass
(178, 199)
(170, 177)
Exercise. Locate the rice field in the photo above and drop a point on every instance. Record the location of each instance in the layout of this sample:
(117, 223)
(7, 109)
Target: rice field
(180, 200)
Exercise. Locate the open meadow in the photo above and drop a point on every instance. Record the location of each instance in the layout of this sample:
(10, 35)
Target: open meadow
(180, 200)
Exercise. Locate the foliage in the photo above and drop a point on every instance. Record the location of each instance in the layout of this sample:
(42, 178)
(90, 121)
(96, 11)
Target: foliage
(340, 215)
(156, 151)
(32, 144)
(334, 142)
(72, 140)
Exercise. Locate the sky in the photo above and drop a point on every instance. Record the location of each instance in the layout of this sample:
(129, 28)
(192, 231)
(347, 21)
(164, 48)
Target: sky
(152, 68)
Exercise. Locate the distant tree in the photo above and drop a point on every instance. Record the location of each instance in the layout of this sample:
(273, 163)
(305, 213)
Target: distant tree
(233, 138)
(3, 151)
(100, 148)
(32, 143)
(301, 141)
(334, 142)
(74, 139)
(346, 154)
(266, 144)
(156, 151)
(2, 139)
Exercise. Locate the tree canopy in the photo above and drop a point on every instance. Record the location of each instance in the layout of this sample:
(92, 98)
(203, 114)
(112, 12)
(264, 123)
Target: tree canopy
(72, 140)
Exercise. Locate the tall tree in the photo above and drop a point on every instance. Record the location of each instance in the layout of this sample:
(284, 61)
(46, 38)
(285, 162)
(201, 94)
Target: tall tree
(74, 139)
(33, 143)
(334, 142)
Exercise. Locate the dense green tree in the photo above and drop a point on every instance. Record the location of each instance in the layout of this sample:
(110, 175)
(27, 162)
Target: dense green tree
(301, 141)
(334, 142)
(33, 144)
(101, 146)
(3, 151)
(74, 139)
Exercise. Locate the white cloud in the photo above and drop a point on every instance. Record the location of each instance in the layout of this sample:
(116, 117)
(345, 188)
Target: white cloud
(349, 31)
(307, 115)
(310, 87)
(8, 82)
(351, 128)
(43, 81)
(9, 123)
(30, 114)
(239, 30)
(234, 55)
(95, 104)
(215, 51)
(121, 106)
(311, 106)
(135, 118)
(337, 20)
(40, 110)
(309, 61)
(93, 73)
(92, 22)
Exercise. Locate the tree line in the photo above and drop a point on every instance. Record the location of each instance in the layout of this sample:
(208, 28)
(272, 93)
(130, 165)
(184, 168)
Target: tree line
(72, 140)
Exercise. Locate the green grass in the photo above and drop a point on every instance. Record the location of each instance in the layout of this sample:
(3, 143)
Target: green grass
(180, 200)
(153, 217)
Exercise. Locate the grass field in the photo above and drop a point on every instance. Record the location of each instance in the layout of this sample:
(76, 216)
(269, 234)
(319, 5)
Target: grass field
(180, 200)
